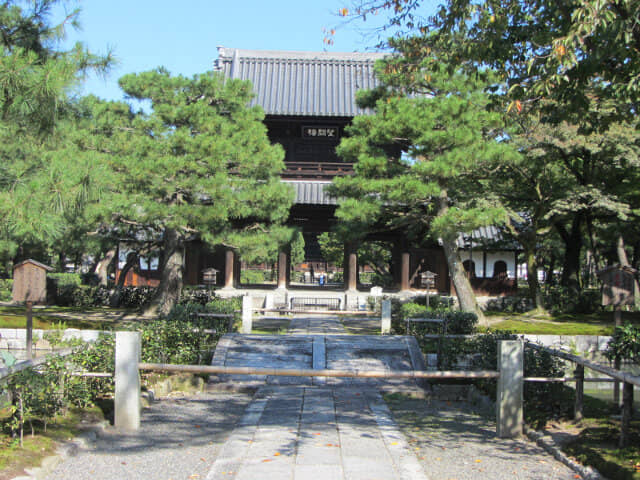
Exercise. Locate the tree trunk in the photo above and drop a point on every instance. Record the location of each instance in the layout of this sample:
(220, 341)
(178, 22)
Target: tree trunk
(132, 259)
(170, 288)
(624, 262)
(532, 276)
(573, 246)
(464, 292)
(102, 267)
(622, 252)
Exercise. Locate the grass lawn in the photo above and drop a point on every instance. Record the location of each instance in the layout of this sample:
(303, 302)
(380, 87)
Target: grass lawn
(53, 317)
(599, 323)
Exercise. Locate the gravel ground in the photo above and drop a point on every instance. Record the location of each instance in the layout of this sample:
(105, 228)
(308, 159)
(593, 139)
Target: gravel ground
(179, 439)
(454, 444)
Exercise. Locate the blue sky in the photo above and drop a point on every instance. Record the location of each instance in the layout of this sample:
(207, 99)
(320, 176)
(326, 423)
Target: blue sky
(183, 36)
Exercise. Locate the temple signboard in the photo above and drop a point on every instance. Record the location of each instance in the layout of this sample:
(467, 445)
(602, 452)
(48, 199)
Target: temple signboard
(618, 286)
(319, 132)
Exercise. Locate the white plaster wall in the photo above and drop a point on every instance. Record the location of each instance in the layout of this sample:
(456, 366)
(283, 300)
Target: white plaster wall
(492, 257)
(507, 257)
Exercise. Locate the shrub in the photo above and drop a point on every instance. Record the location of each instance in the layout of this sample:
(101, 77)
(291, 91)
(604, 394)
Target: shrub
(252, 277)
(180, 337)
(558, 299)
(460, 323)
(196, 295)
(541, 400)
(513, 304)
(135, 297)
(625, 344)
(65, 278)
(39, 394)
(6, 290)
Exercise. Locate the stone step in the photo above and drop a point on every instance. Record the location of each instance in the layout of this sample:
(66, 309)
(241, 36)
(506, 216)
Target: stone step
(337, 352)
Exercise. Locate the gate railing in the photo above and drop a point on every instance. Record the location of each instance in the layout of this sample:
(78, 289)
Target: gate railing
(509, 412)
(612, 375)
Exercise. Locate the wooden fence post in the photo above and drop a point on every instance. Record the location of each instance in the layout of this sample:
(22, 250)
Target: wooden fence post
(127, 380)
(627, 412)
(577, 411)
(29, 345)
(509, 396)
(247, 314)
(386, 317)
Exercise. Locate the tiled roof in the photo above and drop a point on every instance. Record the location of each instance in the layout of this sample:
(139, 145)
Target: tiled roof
(302, 83)
(312, 193)
(487, 237)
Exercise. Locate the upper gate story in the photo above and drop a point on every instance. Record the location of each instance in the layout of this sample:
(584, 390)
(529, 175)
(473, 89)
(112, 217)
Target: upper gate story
(308, 99)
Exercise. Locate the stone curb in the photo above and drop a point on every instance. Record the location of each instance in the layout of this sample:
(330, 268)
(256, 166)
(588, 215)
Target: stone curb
(546, 442)
(64, 450)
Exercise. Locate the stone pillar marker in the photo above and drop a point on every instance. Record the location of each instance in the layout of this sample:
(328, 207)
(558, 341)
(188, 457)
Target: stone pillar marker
(509, 396)
(127, 380)
(404, 271)
(283, 269)
(228, 268)
(386, 317)
(352, 283)
(247, 314)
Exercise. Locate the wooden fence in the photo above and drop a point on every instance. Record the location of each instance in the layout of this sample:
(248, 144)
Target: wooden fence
(508, 403)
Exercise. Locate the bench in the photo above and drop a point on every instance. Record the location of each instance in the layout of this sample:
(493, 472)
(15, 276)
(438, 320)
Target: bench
(314, 303)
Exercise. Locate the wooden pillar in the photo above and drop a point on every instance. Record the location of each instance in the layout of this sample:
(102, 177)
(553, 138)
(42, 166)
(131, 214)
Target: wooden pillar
(405, 266)
(627, 412)
(579, 404)
(229, 264)
(29, 345)
(350, 267)
(283, 269)
(484, 264)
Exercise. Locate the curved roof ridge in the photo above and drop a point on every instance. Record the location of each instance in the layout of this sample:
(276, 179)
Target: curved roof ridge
(228, 53)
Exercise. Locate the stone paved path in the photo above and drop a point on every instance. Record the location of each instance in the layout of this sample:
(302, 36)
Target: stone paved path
(313, 433)
(316, 325)
(328, 430)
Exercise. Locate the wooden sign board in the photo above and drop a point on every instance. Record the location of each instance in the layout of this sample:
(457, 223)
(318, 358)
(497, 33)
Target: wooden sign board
(618, 285)
(30, 281)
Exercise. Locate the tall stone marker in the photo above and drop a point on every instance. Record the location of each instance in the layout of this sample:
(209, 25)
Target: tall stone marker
(386, 317)
(509, 397)
(247, 314)
(127, 379)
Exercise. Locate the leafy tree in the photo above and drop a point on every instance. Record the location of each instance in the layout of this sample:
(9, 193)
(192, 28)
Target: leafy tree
(570, 178)
(571, 66)
(199, 165)
(545, 49)
(421, 158)
(39, 180)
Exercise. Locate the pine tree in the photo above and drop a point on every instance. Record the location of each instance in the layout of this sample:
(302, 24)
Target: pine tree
(424, 156)
(40, 178)
(199, 165)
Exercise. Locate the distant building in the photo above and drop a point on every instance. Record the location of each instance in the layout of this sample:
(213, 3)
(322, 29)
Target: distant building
(309, 99)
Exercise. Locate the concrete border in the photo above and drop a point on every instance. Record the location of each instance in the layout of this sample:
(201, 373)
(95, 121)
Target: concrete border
(546, 442)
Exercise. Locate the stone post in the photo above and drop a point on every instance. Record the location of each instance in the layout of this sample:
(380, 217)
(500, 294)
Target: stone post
(127, 380)
(509, 395)
(283, 269)
(247, 314)
(386, 317)
(229, 262)
(405, 266)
